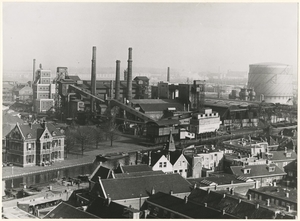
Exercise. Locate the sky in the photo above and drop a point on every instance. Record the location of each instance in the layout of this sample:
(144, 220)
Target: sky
(184, 36)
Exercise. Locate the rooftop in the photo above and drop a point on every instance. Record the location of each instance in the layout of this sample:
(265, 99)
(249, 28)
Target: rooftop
(260, 170)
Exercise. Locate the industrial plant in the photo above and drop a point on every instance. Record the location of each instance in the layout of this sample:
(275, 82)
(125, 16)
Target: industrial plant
(123, 148)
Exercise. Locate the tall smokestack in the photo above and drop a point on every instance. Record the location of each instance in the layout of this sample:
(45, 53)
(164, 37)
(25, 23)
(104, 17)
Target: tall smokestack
(129, 75)
(117, 91)
(93, 78)
(33, 76)
(111, 89)
(168, 76)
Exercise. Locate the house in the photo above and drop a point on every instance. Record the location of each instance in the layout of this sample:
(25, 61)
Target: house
(66, 211)
(133, 191)
(103, 208)
(160, 162)
(204, 160)
(23, 93)
(132, 168)
(266, 174)
(180, 164)
(235, 205)
(34, 144)
(276, 196)
(280, 157)
(291, 173)
(223, 181)
(249, 146)
(100, 172)
(166, 206)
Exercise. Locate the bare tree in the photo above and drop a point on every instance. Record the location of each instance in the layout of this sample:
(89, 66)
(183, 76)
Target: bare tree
(98, 135)
(69, 140)
(84, 136)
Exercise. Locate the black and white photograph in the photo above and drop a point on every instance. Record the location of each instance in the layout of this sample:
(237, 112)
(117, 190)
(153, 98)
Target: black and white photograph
(149, 110)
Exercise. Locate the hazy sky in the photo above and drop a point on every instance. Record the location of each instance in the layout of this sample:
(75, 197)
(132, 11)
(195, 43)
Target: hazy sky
(184, 36)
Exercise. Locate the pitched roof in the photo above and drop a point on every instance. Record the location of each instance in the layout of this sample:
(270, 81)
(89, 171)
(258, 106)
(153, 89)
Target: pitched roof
(10, 119)
(141, 78)
(174, 155)
(36, 130)
(73, 77)
(161, 106)
(291, 166)
(66, 211)
(100, 208)
(136, 168)
(260, 170)
(101, 172)
(188, 209)
(280, 155)
(231, 204)
(137, 174)
(134, 187)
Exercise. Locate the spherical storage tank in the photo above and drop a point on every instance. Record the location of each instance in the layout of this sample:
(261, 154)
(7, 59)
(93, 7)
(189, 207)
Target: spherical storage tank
(272, 80)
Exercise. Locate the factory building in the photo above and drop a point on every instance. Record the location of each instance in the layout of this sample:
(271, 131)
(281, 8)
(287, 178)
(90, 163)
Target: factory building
(43, 91)
(272, 82)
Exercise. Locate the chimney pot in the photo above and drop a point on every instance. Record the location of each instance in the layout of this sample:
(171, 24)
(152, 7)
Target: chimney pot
(205, 204)
(268, 202)
(287, 195)
(288, 208)
(249, 196)
(185, 199)
(171, 192)
(152, 191)
(257, 206)
(223, 211)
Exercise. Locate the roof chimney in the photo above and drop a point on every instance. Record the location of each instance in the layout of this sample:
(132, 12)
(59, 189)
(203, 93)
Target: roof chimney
(129, 75)
(223, 211)
(208, 190)
(171, 192)
(93, 79)
(268, 202)
(287, 195)
(232, 191)
(288, 208)
(108, 200)
(257, 206)
(152, 191)
(185, 199)
(168, 75)
(117, 90)
(195, 185)
(205, 204)
(111, 89)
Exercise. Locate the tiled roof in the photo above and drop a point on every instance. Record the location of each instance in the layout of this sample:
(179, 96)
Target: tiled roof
(136, 168)
(219, 179)
(261, 170)
(9, 119)
(37, 129)
(231, 204)
(66, 211)
(6, 128)
(100, 208)
(138, 174)
(279, 192)
(135, 187)
(73, 77)
(291, 166)
(101, 172)
(280, 155)
(187, 209)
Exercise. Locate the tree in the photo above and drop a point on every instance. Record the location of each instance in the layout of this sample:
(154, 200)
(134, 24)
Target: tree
(83, 136)
(69, 140)
(98, 135)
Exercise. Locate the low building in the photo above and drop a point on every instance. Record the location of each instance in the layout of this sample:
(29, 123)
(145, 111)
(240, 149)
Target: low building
(247, 146)
(266, 174)
(133, 191)
(166, 206)
(34, 144)
(204, 122)
(236, 206)
(276, 196)
(291, 174)
(280, 157)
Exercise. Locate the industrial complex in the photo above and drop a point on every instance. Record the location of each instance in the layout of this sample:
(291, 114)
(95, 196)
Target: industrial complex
(170, 150)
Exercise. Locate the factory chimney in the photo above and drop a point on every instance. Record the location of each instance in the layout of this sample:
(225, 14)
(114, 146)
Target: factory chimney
(33, 72)
(117, 91)
(129, 75)
(168, 76)
(93, 78)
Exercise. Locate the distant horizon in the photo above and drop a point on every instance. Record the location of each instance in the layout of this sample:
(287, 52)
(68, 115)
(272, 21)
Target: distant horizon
(189, 37)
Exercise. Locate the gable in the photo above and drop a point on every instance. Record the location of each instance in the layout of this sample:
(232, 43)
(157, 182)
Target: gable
(181, 158)
(15, 133)
(45, 134)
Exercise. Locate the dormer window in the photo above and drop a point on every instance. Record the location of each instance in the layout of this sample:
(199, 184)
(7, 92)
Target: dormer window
(29, 135)
(53, 133)
(271, 168)
(288, 154)
(246, 170)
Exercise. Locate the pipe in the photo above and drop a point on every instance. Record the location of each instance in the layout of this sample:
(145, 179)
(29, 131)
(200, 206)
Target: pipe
(93, 78)
(168, 75)
(33, 71)
(117, 95)
(129, 75)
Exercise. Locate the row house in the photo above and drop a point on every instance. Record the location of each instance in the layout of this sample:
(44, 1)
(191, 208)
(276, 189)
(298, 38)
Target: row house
(34, 144)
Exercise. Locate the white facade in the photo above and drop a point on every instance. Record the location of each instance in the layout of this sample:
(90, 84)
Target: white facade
(181, 166)
(163, 164)
(207, 121)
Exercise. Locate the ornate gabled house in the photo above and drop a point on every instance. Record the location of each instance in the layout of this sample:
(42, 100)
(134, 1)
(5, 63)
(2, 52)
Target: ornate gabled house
(34, 144)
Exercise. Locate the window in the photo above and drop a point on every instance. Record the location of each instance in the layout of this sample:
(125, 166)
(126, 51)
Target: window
(290, 173)
(160, 164)
(175, 171)
(165, 164)
(44, 146)
(46, 136)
